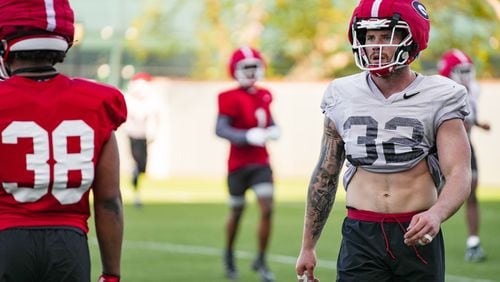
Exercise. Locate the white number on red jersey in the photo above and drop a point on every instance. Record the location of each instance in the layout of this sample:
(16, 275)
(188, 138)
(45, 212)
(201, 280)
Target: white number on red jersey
(64, 161)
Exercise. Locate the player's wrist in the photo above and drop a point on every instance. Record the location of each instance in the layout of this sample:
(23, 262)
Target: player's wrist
(109, 278)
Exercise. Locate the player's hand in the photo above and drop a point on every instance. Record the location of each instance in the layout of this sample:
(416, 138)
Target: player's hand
(257, 136)
(305, 266)
(108, 278)
(305, 278)
(485, 126)
(423, 228)
(273, 132)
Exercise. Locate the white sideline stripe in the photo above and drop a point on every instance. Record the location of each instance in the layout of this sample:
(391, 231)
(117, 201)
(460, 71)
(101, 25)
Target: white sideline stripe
(209, 251)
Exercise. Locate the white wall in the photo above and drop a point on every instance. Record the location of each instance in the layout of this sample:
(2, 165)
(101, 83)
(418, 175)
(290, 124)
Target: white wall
(187, 146)
(486, 144)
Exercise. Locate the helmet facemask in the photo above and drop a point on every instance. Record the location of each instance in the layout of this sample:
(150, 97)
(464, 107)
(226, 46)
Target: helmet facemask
(400, 58)
(248, 71)
(463, 74)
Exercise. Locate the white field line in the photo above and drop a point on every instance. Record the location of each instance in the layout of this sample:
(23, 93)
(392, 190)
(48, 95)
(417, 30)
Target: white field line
(209, 251)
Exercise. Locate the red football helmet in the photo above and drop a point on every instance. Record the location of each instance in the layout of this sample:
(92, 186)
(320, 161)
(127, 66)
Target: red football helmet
(456, 65)
(407, 16)
(35, 25)
(246, 66)
(142, 76)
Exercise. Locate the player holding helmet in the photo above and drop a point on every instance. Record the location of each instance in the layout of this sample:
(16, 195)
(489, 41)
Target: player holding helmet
(57, 143)
(389, 123)
(245, 120)
(456, 65)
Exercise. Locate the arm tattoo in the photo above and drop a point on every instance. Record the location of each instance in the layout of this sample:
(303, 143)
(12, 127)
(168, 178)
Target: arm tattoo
(324, 180)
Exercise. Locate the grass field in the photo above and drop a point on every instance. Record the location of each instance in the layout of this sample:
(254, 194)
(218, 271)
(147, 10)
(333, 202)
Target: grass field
(178, 234)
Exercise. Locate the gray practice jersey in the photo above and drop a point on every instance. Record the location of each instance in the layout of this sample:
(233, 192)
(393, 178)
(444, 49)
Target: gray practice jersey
(386, 135)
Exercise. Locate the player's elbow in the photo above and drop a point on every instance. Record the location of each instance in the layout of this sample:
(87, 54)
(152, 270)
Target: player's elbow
(109, 206)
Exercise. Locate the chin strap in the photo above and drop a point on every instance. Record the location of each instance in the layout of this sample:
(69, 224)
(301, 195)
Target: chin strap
(386, 71)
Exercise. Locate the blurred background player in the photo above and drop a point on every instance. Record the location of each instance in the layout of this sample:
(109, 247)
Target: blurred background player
(141, 126)
(57, 144)
(458, 66)
(245, 119)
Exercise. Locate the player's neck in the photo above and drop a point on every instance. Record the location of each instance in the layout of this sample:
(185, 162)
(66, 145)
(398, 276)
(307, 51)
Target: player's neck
(249, 89)
(395, 82)
(22, 68)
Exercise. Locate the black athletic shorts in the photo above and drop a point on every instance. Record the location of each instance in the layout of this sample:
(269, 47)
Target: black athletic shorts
(139, 148)
(240, 180)
(44, 255)
(373, 249)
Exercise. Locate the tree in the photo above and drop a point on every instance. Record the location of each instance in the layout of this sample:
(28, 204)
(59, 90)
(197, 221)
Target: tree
(299, 39)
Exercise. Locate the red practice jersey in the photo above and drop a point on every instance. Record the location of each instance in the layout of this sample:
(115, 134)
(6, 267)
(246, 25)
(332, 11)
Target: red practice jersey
(246, 111)
(52, 133)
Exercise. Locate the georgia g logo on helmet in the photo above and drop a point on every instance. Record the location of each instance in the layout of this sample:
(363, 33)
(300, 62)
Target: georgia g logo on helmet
(420, 8)
(407, 17)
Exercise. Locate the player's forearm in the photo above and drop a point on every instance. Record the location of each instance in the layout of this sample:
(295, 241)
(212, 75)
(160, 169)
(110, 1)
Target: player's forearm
(320, 201)
(224, 129)
(454, 153)
(323, 185)
(454, 193)
(109, 229)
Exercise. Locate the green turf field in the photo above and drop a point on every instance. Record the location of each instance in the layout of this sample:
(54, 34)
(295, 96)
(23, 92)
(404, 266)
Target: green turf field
(178, 234)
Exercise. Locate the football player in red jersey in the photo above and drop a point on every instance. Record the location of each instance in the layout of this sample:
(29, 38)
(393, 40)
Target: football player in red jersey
(57, 144)
(245, 120)
(401, 134)
(458, 66)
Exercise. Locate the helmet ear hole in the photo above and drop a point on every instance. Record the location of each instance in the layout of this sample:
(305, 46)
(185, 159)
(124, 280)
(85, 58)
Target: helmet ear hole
(405, 55)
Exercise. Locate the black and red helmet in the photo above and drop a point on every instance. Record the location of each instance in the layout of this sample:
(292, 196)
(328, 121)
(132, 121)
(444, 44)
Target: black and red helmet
(407, 16)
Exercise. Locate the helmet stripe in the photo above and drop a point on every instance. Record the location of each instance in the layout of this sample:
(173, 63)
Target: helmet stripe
(376, 8)
(51, 15)
(247, 52)
(461, 56)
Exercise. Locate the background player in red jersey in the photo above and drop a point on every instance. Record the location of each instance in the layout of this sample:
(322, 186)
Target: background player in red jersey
(245, 120)
(57, 143)
(458, 66)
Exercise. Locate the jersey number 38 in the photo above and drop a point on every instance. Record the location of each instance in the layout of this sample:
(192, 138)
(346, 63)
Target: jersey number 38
(64, 161)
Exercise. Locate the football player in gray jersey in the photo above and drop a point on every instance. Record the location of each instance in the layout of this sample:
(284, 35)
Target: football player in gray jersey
(391, 126)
